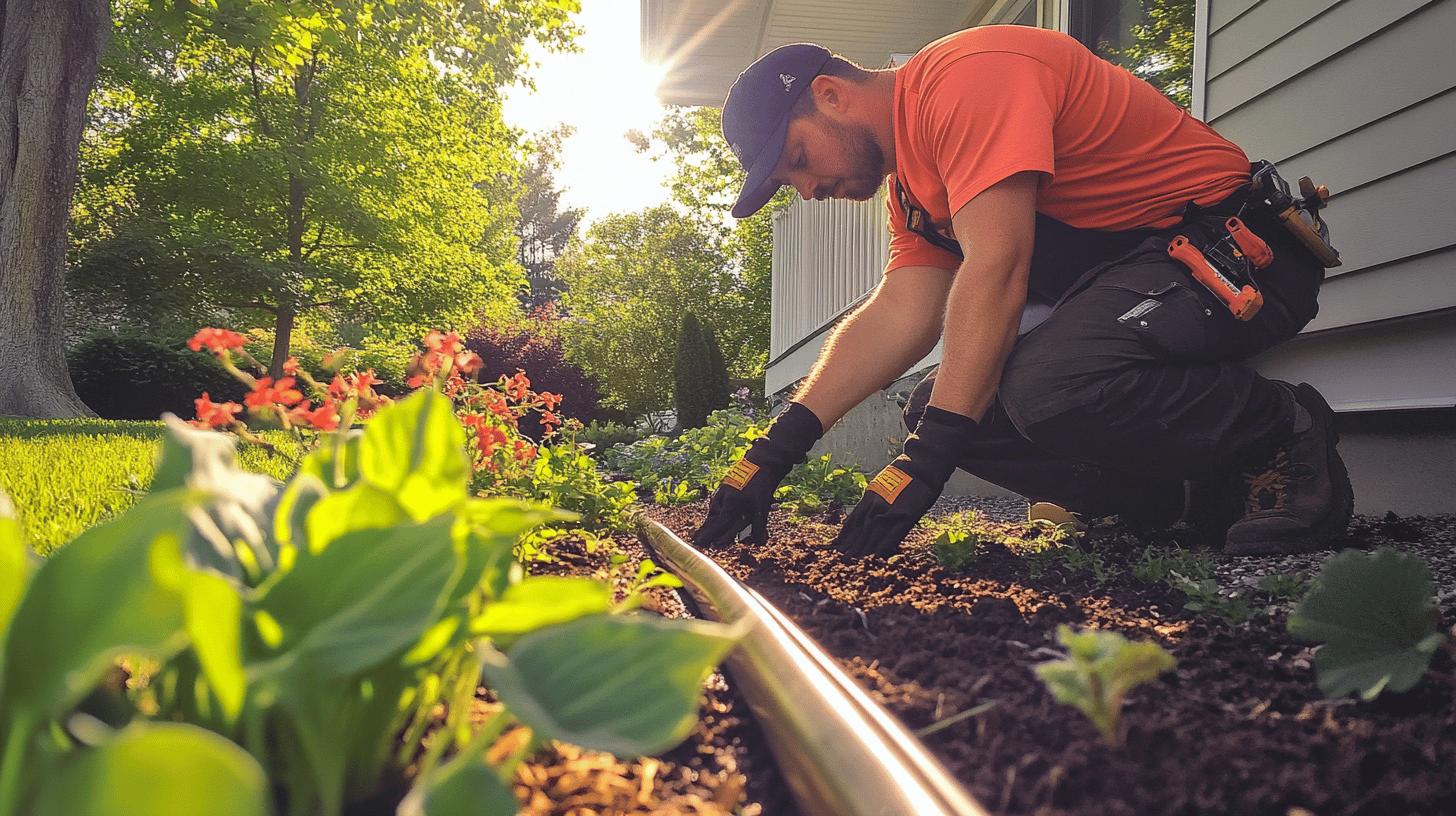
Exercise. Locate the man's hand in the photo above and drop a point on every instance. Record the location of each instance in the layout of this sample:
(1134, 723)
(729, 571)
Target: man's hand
(896, 499)
(744, 497)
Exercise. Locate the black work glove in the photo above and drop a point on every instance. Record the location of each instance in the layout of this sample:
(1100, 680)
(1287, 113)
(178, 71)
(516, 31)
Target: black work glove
(896, 499)
(747, 490)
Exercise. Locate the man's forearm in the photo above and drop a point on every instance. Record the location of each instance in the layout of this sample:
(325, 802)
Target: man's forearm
(982, 316)
(874, 346)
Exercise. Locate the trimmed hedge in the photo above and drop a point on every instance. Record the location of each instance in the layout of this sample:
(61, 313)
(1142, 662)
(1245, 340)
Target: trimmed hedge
(124, 377)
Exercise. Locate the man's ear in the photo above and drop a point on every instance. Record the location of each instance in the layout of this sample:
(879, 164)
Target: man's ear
(830, 93)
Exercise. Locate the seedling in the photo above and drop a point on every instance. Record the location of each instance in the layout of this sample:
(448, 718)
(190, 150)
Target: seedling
(1377, 619)
(1284, 586)
(1157, 563)
(1098, 672)
(956, 549)
(1204, 596)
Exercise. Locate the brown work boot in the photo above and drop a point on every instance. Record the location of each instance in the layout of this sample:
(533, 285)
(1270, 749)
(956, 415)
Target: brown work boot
(1300, 498)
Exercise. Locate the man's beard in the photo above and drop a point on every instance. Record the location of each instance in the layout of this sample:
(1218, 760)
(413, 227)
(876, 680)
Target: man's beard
(866, 162)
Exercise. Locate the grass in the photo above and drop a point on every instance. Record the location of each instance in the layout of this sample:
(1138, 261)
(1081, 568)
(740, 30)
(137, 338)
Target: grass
(66, 475)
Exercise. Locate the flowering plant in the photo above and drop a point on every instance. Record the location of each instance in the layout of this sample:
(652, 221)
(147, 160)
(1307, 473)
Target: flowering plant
(504, 460)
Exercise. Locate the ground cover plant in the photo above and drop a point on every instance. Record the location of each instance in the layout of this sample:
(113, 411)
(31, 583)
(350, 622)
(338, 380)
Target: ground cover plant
(276, 640)
(684, 468)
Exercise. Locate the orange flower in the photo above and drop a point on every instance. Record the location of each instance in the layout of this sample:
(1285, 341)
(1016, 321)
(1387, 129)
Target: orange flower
(444, 343)
(518, 386)
(217, 341)
(290, 366)
(338, 388)
(525, 451)
(468, 362)
(488, 438)
(323, 418)
(212, 414)
(549, 418)
(266, 393)
(549, 400)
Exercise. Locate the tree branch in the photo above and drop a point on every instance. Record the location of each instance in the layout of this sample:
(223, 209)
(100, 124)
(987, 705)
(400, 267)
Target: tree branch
(318, 241)
(258, 94)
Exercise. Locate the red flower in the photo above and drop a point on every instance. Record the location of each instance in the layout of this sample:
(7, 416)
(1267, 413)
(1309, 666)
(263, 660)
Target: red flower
(266, 393)
(212, 414)
(323, 418)
(290, 366)
(216, 340)
(549, 418)
(445, 343)
(488, 438)
(338, 388)
(468, 362)
(417, 380)
(525, 451)
(549, 400)
(518, 385)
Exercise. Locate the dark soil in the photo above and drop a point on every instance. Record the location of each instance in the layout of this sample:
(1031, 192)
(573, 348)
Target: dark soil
(723, 767)
(1238, 728)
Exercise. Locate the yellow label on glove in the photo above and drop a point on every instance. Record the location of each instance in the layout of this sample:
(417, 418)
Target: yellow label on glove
(890, 483)
(739, 475)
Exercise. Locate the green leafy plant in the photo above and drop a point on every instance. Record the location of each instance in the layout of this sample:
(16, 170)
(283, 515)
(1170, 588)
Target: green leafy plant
(301, 639)
(1156, 564)
(1204, 596)
(958, 549)
(1284, 586)
(819, 483)
(1098, 672)
(1376, 618)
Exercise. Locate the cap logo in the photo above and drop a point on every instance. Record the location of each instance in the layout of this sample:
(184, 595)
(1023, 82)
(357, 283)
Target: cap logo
(788, 80)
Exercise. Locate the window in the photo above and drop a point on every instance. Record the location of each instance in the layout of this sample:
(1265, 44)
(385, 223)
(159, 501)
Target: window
(1151, 38)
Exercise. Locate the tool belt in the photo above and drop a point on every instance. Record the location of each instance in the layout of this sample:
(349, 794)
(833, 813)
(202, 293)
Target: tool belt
(1225, 262)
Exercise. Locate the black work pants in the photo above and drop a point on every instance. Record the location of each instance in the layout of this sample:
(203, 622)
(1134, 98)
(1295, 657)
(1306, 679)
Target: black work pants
(1136, 381)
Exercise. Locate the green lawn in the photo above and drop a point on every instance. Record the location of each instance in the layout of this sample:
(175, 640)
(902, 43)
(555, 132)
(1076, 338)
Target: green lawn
(66, 475)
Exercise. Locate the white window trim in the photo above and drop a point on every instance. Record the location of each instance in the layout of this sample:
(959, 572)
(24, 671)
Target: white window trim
(1200, 57)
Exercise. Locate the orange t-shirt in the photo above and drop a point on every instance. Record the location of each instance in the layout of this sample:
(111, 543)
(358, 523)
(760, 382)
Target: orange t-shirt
(980, 105)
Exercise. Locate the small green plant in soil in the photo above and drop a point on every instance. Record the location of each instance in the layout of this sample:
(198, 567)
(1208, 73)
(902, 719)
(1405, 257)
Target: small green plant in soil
(1155, 564)
(1376, 617)
(818, 484)
(1284, 586)
(1098, 672)
(1203, 596)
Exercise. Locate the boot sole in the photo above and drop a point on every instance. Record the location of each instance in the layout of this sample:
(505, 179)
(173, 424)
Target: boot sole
(1337, 520)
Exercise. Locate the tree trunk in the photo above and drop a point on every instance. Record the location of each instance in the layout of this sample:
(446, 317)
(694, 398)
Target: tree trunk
(49, 52)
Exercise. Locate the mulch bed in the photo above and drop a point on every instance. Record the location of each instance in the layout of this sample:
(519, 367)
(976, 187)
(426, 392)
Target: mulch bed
(1239, 727)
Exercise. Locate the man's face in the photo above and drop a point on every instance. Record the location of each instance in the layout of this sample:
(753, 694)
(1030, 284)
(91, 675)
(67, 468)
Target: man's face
(825, 159)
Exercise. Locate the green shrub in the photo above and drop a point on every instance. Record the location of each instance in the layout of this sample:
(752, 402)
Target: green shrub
(699, 376)
(122, 377)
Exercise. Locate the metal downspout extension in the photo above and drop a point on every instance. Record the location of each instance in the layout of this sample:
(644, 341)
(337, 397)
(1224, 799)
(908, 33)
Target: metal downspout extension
(840, 752)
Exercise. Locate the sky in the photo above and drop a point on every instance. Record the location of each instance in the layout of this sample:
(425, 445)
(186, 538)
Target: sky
(603, 91)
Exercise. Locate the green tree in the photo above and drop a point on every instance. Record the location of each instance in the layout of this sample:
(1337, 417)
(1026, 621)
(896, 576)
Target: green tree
(629, 281)
(259, 159)
(544, 228)
(1159, 47)
(700, 383)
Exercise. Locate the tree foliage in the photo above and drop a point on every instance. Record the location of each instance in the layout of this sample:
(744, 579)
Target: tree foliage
(544, 228)
(256, 159)
(700, 382)
(1161, 50)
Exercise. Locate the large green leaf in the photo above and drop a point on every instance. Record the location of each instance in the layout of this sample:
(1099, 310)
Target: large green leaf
(625, 684)
(538, 602)
(371, 594)
(415, 451)
(99, 596)
(471, 789)
(491, 527)
(241, 506)
(213, 612)
(336, 461)
(158, 768)
(361, 507)
(1376, 616)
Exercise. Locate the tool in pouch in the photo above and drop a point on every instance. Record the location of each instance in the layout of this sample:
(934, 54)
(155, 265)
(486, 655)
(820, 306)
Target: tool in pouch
(1225, 266)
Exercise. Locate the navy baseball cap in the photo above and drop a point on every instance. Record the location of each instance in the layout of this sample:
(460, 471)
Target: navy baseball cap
(756, 115)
